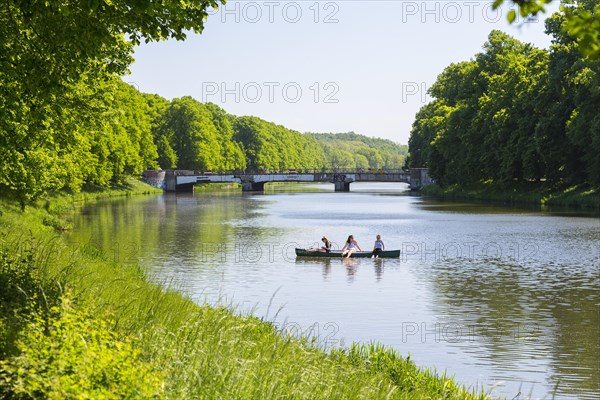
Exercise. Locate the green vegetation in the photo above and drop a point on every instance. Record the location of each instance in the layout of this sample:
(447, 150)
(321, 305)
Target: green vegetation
(68, 121)
(66, 118)
(131, 131)
(295, 187)
(75, 323)
(573, 197)
(217, 187)
(527, 194)
(582, 24)
(63, 202)
(515, 118)
(67, 354)
(354, 151)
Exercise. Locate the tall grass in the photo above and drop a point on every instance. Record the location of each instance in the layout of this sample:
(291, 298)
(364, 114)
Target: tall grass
(533, 194)
(196, 351)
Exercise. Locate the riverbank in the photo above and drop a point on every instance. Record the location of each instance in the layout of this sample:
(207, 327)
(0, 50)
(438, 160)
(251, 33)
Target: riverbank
(533, 195)
(75, 322)
(216, 187)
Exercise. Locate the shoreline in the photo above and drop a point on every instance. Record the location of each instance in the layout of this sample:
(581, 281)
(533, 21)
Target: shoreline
(569, 199)
(179, 349)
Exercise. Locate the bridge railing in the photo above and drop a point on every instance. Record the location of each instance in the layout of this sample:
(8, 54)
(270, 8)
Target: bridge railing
(290, 171)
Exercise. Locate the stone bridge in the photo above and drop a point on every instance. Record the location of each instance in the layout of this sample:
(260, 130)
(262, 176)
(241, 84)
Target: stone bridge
(184, 180)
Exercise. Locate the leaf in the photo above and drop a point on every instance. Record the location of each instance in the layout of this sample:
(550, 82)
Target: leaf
(511, 16)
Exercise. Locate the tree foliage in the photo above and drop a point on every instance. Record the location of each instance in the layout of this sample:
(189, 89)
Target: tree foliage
(514, 113)
(353, 151)
(192, 135)
(582, 20)
(268, 146)
(68, 120)
(65, 118)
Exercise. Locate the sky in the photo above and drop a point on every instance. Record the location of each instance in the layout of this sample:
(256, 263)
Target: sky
(326, 66)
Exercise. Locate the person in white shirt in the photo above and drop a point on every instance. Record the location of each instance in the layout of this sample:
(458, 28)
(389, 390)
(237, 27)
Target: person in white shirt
(378, 247)
(350, 247)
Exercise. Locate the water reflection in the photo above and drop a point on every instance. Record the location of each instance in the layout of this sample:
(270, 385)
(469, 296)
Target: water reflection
(378, 268)
(522, 313)
(351, 265)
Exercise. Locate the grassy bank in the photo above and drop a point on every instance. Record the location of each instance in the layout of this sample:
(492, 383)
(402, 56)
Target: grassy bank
(531, 194)
(216, 187)
(76, 324)
(293, 187)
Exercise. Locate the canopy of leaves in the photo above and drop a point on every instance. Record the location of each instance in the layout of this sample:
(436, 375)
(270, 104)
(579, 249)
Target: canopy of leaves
(65, 117)
(353, 151)
(514, 113)
(582, 20)
(68, 120)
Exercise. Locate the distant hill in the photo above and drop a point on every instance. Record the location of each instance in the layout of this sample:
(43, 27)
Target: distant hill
(344, 150)
(353, 140)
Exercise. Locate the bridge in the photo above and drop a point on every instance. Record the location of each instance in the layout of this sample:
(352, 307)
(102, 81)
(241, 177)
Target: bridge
(184, 180)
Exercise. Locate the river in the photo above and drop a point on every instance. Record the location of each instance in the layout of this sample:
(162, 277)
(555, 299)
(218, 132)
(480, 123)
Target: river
(501, 297)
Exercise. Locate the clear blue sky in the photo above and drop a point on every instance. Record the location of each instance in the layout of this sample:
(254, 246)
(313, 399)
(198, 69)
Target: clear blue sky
(325, 66)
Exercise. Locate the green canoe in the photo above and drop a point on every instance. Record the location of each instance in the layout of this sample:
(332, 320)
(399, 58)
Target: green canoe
(358, 254)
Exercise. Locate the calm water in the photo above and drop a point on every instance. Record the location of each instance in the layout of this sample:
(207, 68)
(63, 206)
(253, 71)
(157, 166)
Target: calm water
(504, 298)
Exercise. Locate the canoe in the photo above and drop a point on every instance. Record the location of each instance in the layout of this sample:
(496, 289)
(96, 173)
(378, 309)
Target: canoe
(358, 254)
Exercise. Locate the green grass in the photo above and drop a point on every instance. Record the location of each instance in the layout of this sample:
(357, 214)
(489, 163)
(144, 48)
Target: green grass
(535, 194)
(61, 201)
(574, 197)
(293, 186)
(216, 187)
(184, 350)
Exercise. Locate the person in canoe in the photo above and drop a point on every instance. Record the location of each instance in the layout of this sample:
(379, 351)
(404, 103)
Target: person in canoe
(350, 247)
(378, 247)
(326, 248)
(326, 245)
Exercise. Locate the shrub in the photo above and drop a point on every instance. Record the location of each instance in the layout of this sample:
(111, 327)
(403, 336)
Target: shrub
(69, 355)
(21, 283)
(58, 223)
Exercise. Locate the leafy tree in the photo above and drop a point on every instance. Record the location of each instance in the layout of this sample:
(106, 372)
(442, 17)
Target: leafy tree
(312, 153)
(374, 158)
(57, 61)
(583, 24)
(248, 131)
(360, 161)
(513, 113)
(429, 126)
(570, 142)
(582, 20)
(232, 155)
(380, 153)
(189, 128)
(129, 118)
(268, 146)
(167, 157)
(336, 159)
